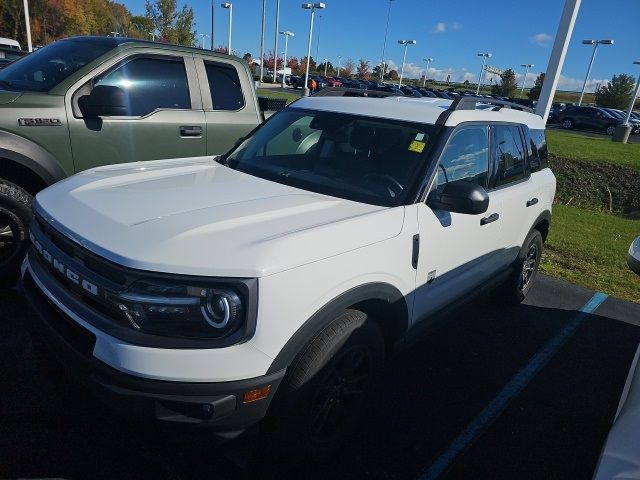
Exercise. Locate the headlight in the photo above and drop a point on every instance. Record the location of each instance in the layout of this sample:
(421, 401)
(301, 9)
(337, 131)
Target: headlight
(188, 311)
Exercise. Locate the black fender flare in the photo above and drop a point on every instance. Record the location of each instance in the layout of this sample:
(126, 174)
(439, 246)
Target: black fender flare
(32, 156)
(545, 215)
(325, 315)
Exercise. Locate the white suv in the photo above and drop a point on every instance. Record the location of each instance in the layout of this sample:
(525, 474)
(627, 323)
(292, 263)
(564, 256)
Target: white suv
(198, 290)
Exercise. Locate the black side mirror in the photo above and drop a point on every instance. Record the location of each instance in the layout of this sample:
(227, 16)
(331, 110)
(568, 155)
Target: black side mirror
(460, 197)
(104, 101)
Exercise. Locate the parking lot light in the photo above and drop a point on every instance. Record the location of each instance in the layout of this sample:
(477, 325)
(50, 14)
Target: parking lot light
(384, 45)
(426, 72)
(229, 6)
(275, 48)
(527, 66)
(482, 69)
(339, 59)
(312, 7)
(595, 44)
(286, 34)
(406, 43)
(633, 97)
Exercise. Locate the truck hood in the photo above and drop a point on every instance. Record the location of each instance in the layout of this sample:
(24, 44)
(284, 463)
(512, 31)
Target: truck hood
(7, 96)
(196, 217)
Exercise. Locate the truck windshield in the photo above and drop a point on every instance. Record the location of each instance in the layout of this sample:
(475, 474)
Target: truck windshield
(45, 68)
(368, 160)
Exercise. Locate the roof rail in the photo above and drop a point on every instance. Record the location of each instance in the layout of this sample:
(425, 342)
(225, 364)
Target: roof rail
(471, 103)
(353, 92)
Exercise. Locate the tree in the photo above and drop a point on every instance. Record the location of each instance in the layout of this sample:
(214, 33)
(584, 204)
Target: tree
(393, 75)
(364, 73)
(534, 93)
(507, 86)
(172, 25)
(618, 92)
(466, 83)
(302, 66)
(292, 63)
(348, 68)
(330, 69)
(247, 57)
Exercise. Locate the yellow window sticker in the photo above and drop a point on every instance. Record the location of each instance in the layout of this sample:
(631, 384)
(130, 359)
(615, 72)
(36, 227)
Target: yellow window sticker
(416, 146)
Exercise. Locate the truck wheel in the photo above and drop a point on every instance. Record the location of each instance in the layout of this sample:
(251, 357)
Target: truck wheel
(525, 269)
(15, 216)
(322, 395)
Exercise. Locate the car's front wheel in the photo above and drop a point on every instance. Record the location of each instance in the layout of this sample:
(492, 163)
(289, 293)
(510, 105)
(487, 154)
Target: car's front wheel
(611, 129)
(320, 401)
(567, 124)
(525, 269)
(15, 216)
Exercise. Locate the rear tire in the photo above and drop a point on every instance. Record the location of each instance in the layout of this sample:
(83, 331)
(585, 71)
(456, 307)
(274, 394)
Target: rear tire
(319, 403)
(15, 217)
(525, 270)
(610, 130)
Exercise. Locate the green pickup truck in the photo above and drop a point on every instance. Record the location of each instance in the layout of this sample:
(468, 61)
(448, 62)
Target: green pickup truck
(83, 102)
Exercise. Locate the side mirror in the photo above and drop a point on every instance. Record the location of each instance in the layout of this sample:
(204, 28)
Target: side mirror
(460, 197)
(633, 259)
(104, 101)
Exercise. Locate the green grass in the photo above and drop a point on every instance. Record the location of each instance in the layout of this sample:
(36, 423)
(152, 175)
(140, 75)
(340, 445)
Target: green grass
(599, 150)
(274, 93)
(590, 249)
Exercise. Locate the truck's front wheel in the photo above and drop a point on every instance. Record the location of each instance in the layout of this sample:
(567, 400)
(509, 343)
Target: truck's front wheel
(15, 216)
(323, 393)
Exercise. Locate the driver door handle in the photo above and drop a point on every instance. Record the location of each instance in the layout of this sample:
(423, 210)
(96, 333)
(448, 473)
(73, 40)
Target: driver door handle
(531, 202)
(491, 218)
(190, 131)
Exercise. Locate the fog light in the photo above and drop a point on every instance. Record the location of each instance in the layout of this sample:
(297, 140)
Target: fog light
(256, 394)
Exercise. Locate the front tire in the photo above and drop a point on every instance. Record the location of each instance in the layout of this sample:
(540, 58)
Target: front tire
(321, 398)
(610, 130)
(525, 269)
(567, 124)
(15, 217)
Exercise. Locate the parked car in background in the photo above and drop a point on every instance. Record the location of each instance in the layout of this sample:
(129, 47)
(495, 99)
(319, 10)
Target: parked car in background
(633, 122)
(331, 81)
(84, 102)
(589, 118)
(633, 257)
(4, 62)
(427, 93)
(410, 91)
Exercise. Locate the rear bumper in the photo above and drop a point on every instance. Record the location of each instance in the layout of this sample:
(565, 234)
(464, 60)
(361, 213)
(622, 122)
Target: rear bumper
(217, 405)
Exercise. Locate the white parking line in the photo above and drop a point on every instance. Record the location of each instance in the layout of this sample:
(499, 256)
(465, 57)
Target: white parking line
(511, 390)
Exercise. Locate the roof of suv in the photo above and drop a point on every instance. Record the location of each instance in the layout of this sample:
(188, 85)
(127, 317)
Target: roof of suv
(420, 110)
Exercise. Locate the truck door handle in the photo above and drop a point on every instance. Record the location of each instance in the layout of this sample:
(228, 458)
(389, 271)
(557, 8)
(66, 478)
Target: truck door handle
(491, 218)
(190, 131)
(531, 202)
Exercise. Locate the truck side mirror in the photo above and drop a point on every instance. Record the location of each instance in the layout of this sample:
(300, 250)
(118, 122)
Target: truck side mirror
(460, 197)
(104, 101)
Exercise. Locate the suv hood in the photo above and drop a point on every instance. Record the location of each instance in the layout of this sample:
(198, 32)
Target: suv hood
(196, 217)
(7, 96)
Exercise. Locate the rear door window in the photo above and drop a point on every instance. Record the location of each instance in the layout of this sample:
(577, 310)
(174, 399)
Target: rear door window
(224, 85)
(508, 154)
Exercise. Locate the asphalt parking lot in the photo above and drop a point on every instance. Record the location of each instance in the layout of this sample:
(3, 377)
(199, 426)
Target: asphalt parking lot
(441, 405)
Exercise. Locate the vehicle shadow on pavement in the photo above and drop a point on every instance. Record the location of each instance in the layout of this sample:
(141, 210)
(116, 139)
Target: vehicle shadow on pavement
(428, 394)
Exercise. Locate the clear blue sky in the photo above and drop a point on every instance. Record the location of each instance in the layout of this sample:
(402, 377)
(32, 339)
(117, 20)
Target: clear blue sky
(515, 32)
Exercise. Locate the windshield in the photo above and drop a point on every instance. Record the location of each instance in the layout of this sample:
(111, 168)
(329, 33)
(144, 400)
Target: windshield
(43, 69)
(358, 158)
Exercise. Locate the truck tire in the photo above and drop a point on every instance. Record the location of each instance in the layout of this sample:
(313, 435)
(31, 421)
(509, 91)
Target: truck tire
(318, 404)
(525, 269)
(15, 216)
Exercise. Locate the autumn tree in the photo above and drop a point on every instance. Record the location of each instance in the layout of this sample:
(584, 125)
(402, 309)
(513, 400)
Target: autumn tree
(617, 93)
(393, 75)
(172, 25)
(292, 63)
(348, 68)
(302, 66)
(507, 86)
(534, 93)
(364, 73)
(247, 57)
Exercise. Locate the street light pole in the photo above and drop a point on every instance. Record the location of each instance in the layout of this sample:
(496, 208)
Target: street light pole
(406, 43)
(275, 48)
(286, 34)
(264, 17)
(230, 7)
(27, 23)
(482, 69)
(426, 72)
(595, 44)
(339, 58)
(213, 17)
(326, 60)
(526, 72)
(202, 37)
(633, 98)
(384, 45)
(318, 39)
(312, 7)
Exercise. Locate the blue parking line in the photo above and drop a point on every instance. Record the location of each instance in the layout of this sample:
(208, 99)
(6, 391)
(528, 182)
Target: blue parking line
(511, 390)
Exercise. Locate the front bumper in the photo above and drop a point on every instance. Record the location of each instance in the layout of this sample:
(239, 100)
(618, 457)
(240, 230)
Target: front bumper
(218, 405)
